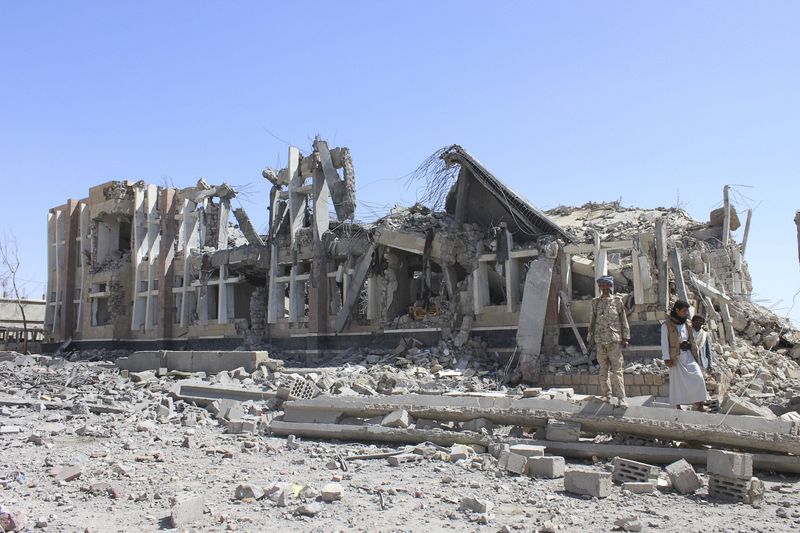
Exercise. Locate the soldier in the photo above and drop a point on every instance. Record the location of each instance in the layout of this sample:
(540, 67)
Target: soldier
(609, 333)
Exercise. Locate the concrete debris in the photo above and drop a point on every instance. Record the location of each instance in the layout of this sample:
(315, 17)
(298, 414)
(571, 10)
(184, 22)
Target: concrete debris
(249, 492)
(186, 509)
(683, 477)
(441, 340)
(588, 483)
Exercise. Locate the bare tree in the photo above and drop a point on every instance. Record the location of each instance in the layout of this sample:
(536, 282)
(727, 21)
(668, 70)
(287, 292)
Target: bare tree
(9, 263)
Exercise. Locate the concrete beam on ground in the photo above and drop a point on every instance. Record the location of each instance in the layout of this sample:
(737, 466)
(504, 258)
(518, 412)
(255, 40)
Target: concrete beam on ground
(370, 433)
(201, 393)
(655, 455)
(732, 431)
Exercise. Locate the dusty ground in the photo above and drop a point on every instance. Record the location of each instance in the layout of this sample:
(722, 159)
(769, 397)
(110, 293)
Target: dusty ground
(145, 461)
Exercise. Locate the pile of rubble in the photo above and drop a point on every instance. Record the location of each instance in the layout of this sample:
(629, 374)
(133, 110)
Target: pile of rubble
(88, 442)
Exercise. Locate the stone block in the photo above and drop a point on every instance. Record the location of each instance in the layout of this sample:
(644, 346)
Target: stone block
(627, 470)
(397, 419)
(730, 464)
(588, 483)
(638, 487)
(683, 477)
(331, 492)
(187, 509)
(560, 431)
(527, 450)
(547, 467)
(516, 463)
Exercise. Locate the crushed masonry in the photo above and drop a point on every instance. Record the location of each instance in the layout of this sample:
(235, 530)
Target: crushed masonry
(422, 371)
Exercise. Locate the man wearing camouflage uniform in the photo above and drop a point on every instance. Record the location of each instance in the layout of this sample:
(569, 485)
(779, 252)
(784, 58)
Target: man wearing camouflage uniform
(609, 333)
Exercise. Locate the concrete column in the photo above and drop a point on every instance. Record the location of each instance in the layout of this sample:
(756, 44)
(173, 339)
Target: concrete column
(480, 286)
(318, 286)
(662, 264)
(297, 294)
(512, 276)
(726, 220)
(297, 196)
(532, 316)
(71, 228)
(275, 296)
(166, 258)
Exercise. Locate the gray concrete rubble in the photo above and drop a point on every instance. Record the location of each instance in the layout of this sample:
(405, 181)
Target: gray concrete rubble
(424, 371)
(107, 436)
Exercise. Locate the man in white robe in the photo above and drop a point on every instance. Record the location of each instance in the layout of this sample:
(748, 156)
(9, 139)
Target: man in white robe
(686, 382)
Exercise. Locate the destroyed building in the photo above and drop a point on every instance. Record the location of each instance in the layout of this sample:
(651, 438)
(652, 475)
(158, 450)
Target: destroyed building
(475, 266)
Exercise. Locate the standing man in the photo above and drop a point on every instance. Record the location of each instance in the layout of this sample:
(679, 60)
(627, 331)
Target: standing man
(609, 333)
(679, 351)
(702, 339)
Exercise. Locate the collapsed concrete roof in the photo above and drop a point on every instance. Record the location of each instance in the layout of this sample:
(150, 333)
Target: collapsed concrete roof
(503, 205)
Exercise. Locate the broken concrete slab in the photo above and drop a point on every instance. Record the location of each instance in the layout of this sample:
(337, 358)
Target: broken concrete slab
(192, 361)
(202, 394)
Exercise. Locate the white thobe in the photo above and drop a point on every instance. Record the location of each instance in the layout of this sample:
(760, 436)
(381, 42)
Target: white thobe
(686, 382)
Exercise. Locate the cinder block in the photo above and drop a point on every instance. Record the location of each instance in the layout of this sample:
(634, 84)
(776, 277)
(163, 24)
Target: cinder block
(548, 467)
(627, 470)
(638, 487)
(683, 477)
(730, 464)
(589, 483)
(741, 490)
(560, 431)
(516, 463)
(527, 450)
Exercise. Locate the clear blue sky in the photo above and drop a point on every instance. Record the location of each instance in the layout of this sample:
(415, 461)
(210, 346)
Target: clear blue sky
(565, 101)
